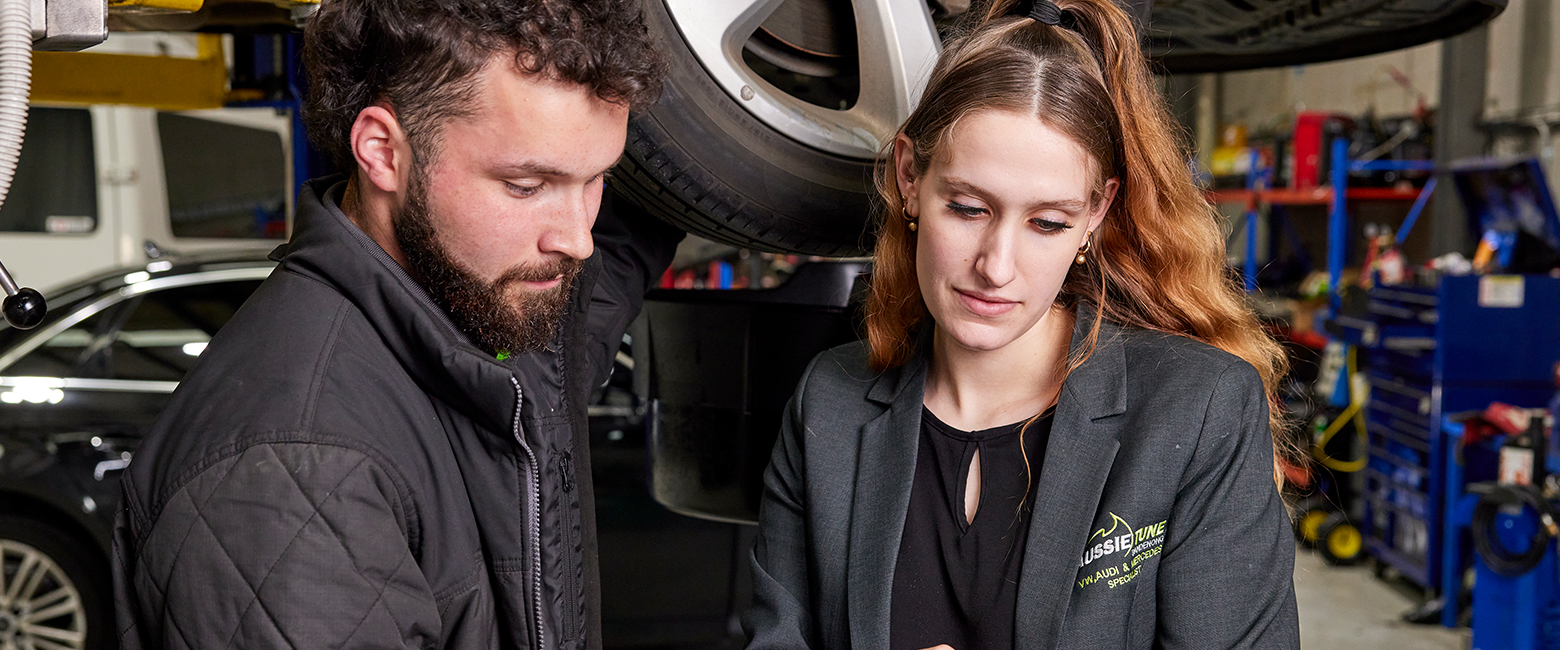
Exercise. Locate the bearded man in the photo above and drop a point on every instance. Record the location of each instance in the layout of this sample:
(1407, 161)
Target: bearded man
(387, 446)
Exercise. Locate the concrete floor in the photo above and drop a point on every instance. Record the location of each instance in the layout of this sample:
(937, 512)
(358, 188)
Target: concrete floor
(1344, 608)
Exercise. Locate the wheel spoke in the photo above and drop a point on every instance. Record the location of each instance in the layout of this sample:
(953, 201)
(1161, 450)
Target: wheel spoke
(897, 46)
(45, 644)
(29, 560)
(5, 600)
(69, 606)
(724, 24)
(45, 633)
(41, 567)
(50, 598)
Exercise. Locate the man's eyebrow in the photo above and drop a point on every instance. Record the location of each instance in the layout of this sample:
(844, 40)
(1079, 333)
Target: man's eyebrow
(535, 168)
(961, 186)
(528, 168)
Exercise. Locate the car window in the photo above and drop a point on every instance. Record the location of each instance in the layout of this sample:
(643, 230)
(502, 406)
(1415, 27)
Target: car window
(156, 336)
(55, 187)
(224, 180)
(62, 353)
(165, 331)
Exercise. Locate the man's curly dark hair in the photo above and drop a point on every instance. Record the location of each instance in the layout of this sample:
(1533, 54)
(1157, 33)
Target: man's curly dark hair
(422, 58)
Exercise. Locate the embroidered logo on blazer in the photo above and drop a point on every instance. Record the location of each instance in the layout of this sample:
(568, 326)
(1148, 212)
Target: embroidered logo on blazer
(1117, 553)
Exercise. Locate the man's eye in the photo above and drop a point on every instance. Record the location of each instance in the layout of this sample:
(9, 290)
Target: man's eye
(966, 210)
(522, 190)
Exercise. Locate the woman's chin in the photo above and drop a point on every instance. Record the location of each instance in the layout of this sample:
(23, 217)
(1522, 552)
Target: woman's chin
(979, 337)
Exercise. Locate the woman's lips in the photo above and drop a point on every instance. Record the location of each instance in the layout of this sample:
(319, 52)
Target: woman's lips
(983, 305)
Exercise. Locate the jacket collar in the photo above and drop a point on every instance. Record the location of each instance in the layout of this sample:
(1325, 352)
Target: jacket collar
(1082, 448)
(326, 246)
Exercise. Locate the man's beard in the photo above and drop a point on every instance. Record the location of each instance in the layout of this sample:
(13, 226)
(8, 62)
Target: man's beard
(493, 320)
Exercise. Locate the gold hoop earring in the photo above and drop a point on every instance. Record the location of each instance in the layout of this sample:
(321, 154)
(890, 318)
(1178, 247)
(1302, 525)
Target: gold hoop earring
(910, 219)
(1084, 249)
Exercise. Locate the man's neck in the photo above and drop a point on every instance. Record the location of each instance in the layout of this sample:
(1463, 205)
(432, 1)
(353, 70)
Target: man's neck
(372, 215)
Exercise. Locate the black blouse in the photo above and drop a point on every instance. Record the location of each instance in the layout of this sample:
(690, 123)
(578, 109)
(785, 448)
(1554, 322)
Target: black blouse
(956, 581)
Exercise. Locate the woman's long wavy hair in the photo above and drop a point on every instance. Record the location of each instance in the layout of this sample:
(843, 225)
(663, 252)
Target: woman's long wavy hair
(1156, 262)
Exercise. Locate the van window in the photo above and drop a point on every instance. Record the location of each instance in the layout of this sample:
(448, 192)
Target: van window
(224, 180)
(55, 187)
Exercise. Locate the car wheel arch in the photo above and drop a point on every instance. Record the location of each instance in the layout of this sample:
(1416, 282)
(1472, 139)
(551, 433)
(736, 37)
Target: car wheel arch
(24, 504)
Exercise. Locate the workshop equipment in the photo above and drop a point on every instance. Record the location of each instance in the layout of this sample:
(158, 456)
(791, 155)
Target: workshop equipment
(1516, 596)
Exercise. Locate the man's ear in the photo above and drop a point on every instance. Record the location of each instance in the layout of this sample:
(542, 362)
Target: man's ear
(383, 155)
(904, 174)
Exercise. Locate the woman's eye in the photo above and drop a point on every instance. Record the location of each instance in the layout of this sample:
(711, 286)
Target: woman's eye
(521, 190)
(1046, 225)
(966, 210)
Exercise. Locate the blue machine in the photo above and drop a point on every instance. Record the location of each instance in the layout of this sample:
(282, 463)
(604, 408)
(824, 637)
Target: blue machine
(1522, 611)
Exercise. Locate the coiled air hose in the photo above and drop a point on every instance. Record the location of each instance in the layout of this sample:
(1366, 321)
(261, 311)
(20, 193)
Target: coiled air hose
(1496, 555)
(15, 84)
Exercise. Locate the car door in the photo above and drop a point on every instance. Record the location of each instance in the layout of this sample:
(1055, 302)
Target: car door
(77, 398)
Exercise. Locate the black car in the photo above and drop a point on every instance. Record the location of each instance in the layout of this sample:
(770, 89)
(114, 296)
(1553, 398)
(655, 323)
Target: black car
(78, 392)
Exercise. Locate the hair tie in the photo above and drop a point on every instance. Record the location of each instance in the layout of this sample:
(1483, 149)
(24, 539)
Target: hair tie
(1044, 11)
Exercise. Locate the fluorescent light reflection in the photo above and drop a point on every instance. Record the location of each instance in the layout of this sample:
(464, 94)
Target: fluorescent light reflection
(34, 390)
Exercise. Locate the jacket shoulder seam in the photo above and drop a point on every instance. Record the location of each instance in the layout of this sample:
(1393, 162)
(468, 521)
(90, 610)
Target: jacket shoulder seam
(327, 351)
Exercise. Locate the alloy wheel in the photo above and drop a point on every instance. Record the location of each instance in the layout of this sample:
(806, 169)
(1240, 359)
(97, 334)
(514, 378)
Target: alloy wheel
(40, 608)
(896, 44)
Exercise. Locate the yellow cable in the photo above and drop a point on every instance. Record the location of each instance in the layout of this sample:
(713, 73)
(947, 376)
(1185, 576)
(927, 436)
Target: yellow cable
(1353, 413)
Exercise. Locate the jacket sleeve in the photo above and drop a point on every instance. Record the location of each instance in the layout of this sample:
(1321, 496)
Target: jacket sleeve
(287, 545)
(635, 249)
(780, 617)
(1227, 577)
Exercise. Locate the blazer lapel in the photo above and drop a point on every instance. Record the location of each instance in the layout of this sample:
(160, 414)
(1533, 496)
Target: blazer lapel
(1084, 438)
(885, 473)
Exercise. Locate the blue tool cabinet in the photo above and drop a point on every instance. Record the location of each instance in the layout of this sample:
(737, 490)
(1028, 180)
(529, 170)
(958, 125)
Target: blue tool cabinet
(1470, 341)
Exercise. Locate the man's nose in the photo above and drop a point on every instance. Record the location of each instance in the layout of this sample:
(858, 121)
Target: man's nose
(569, 231)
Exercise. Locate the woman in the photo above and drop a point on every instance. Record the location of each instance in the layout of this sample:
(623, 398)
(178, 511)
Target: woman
(1057, 434)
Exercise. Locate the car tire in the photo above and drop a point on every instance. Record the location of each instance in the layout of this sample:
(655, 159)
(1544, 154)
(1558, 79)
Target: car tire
(702, 162)
(73, 580)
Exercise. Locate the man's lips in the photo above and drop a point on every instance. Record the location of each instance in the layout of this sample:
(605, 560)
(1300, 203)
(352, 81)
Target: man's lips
(984, 305)
(542, 285)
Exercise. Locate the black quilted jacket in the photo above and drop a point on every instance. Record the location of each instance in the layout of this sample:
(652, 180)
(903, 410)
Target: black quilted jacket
(343, 469)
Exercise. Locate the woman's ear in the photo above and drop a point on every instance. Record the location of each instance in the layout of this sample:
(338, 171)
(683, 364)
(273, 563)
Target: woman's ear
(1107, 197)
(904, 174)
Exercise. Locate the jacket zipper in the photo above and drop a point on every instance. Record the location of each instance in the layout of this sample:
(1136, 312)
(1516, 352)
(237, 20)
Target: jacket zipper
(534, 497)
(571, 608)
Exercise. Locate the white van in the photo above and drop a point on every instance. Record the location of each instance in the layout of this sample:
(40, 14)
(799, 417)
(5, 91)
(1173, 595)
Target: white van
(102, 187)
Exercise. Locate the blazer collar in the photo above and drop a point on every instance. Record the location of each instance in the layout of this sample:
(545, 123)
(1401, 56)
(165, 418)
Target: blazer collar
(1085, 436)
(1082, 448)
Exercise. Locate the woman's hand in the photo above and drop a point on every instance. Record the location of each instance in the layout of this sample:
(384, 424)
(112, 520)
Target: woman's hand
(940, 647)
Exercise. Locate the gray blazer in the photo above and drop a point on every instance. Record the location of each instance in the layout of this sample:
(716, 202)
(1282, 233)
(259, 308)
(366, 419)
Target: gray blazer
(1157, 523)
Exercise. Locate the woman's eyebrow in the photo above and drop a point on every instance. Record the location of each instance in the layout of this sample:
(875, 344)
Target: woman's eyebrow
(1070, 206)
